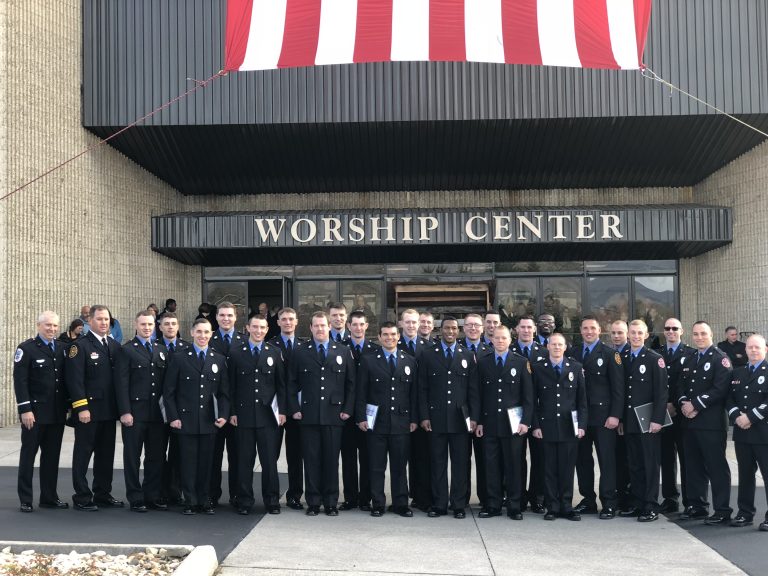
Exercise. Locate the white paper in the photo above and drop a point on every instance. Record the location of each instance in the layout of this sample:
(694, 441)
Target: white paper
(276, 410)
(515, 418)
(575, 418)
(371, 410)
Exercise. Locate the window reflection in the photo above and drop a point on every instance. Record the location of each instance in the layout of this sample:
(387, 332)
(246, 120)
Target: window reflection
(234, 292)
(365, 295)
(312, 296)
(654, 302)
(609, 301)
(561, 297)
(515, 297)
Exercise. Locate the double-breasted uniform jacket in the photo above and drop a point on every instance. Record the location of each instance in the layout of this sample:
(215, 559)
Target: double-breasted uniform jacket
(139, 378)
(536, 352)
(706, 382)
(368, 349)
(327, 389)
(675, 369)
(421, 344)
(38, 380)
(555, 398)
(345, 339)
(502, 388)
(604, 380)
(396, 395)
(481, 349)
(280, 343)
(447, 388)
(646, 381)
(254, 383)
(189, 391)
(90, 377)
(179, 345)
(220, 345)
(749, 395)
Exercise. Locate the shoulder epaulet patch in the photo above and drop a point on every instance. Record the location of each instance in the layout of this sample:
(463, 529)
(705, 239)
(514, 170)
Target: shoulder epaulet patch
(73, 350)
(19, 355)
(617, 357)
(726, 362)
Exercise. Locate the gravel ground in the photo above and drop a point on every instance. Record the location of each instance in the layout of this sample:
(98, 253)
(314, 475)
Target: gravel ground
(152, 561)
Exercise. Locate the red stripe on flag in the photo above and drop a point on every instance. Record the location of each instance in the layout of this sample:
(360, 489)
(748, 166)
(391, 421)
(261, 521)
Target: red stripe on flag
(373, 37)
(593, 34)
(520, 28)
(236, 34)
(446, 30)
(642, 21)
(302, 29)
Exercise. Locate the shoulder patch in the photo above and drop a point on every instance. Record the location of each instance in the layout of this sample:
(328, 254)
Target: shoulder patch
(726, 362)
(617, 357)
(73, 350)
(661, 363)
(19, 355)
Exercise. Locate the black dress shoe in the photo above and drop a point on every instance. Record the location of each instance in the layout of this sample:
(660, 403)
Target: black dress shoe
(208, 509)
(294, 504)
(189, 511)
(693, 513)
(138, 507)
(489, 512)
(648, 516)
(365, 507)
(607, 514)
(718, 519)
(436, 512)
(273, 509)
(459, 513)
(347, 506)
(572, 516)
(550, 515)
(55, 504)
(586, 508)
(331, 511)
(763, 526)
(313, 510)
(403, 511)
(109, 502)
(631, 512)
(377, 512)
(243, 511)
(87, 507)
(515, 514)
(158, 505)
(668, 506)
(741, 520)
(538, 508)
(26, 507)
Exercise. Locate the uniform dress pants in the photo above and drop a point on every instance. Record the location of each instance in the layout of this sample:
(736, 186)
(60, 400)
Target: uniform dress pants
(226, 435)
(672, 450)
(440, 444)
(644, 457)
(535, 492)
(321, 446)
(508, 451)
(397, 447)
(706, 464)
(604, 442)
(172, 469)
(95, 439)
(293, 457)
(196, 455)
(419, 473)
(749, 458)
(354, 448)
(623, 495)
(47, 439)
(559, 466)
(151, 437)
(249, 442)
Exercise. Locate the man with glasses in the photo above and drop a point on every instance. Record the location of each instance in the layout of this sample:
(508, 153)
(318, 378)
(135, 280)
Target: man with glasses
(545, 326)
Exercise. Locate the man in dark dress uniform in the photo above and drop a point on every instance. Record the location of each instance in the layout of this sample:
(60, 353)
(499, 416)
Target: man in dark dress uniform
(747, 411)
(646, 382)
(704, 387)
(620, 343)
(89, 375)
(449, 406)
(733, 347)
(505, 383)
(257, 388)
(426, 327)
(321, 393)
(354, 447)
(38, 380)
(604, 381)
(558, 392)
(139, 372)
(387, 380)
(196, 396)
(337, 314)
(672, 448)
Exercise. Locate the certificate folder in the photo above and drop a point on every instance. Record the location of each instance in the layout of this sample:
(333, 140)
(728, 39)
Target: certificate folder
(644, 413)
(515, 418)
(371, 410)
(465, 414)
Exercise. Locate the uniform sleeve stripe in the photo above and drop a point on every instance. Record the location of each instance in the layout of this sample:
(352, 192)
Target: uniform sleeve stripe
(79, 403)
(700, 402)
(682, 398)
(757, 413)
(732, 410)
(22, 403)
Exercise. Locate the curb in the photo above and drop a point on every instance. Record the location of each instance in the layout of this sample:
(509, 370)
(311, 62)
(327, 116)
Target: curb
(17, 546)
(201, 561)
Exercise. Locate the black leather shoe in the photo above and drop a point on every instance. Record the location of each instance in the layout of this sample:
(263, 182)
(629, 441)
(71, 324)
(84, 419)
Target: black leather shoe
(26, 507)
(573, 516)
(243, 511)
(693, 513)
(586, 508)
(158, 505)
(459, 513)
(763, 526)
(538, 508)
(550, 515)
(313, 510)
(631, 512)
(294, 504)
(347, 506)
(436, 512)
(377, 512)
(515, 514)
(648, 516)
(365, 507)
(273, 509)
(607, 514)
(209, 510)
(189, 511)
(139, 507)
(668, 506)
(718, 519)
(211, 503)
(87, 507)
(331, 511)
(403, 511)
(741, 520)
(109, 502)
(489, 513)
(56, 504)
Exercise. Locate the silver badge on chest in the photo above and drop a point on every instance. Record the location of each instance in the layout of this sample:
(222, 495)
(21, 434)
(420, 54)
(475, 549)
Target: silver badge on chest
(339, 360)
(642, 369)
(761, 380)
(513, 372)
(706, 366)
(162, 355)
(407, 370)
(215, 368)
(599, 361)
(570, 376)
(463, 362)
(270, 361)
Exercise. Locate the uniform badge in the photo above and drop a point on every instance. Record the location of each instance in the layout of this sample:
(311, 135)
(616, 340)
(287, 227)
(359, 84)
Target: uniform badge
(661, 363)
(463, 362)
(215, 368)
(73, 351)
(599, 361)
(162, 355)
(540, 358)
(407, 370)
(726, 362)
(270, 361)
(642, 368)
(513, 372)
(339, 360)
(94, 355)
(570, 376)
(617, 357)
(706, 366)
(19, 355)
(761, 380)
(682, 360)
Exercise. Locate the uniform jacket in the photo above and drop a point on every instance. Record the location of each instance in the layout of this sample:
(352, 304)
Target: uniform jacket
(394, 394)
(536, 352)
(706, 384)
(749, 395)
(218, 343)
(38, 379)
(502, 388)
(555, 398)
(646, 379)
(189, 391)
(604, 380)
(139, 380)
(278, 341)
(90, 377)
(421, 344)
(327, 389)
(482, 349)
(737, 352)
(254, 383)
(178, 347)
(368, 349)
(674, 368)
(445, 389)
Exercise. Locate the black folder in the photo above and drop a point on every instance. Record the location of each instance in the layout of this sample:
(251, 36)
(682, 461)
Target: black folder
(644, 414)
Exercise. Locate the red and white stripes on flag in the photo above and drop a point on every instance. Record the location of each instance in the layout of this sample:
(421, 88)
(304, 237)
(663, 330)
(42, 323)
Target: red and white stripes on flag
(267, 34)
